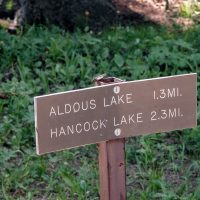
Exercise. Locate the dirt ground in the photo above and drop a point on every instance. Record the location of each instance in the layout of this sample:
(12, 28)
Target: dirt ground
(158, 11)
(102, 13)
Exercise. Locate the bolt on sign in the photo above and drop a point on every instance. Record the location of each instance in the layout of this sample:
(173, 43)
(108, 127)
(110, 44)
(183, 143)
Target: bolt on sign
(92, 115)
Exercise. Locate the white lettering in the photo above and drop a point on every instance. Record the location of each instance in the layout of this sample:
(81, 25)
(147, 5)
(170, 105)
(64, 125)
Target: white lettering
(54, 132)
(52, 111)
(123, 120)
(139, 117)
(130, 118)
(59, 113)
(68, 110)
(78, 128)
(84, 126)
(70, 130)
(162, 93)
(92, 104)
(172, 113)
(102, 123)
(129, 98)
(118, 99)
(113, 101)
(104, 103)
(76, 104)
(163, 114)
(62, 131)
(86, 105)
(115, 124)
(171, 93)
(95, 127)
(78, 131)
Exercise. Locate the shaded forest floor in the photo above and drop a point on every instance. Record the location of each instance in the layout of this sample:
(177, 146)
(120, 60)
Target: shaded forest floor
(99, 14)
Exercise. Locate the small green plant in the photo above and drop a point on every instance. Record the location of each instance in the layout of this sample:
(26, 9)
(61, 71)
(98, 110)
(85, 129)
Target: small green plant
(9, 5)
(190, 9)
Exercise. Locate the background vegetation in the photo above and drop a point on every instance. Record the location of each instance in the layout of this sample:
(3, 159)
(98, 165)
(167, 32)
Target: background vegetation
(43, 60)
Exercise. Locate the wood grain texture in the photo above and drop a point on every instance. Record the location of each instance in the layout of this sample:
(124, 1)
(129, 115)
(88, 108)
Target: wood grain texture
(112, 170)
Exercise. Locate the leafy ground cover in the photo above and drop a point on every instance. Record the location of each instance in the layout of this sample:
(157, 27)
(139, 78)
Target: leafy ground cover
(45, 60)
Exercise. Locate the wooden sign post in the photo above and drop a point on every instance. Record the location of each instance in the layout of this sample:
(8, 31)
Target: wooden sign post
(112, 170)
(111, 112)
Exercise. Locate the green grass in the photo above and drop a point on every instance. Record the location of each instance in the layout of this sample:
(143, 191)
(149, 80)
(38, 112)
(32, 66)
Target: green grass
(190, 9)
(45, 60)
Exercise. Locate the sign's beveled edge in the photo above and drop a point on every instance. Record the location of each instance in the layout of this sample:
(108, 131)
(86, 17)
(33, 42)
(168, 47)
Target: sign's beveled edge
(36, 135)
(196, 102)
(107, 85)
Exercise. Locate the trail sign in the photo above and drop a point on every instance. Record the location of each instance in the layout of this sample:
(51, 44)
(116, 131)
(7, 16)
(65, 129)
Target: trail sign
(86, 116)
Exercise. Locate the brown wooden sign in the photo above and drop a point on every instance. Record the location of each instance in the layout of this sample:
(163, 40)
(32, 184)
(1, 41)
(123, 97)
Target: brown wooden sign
(86, 116)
